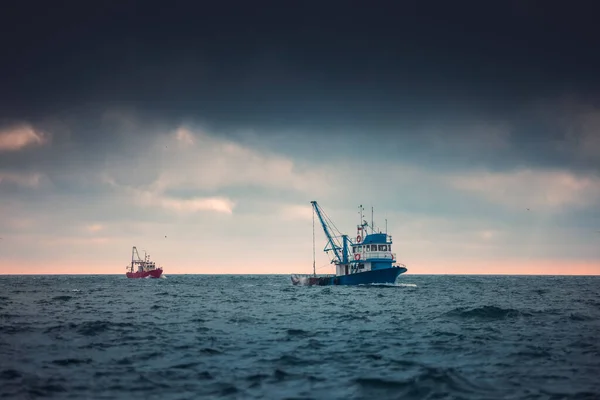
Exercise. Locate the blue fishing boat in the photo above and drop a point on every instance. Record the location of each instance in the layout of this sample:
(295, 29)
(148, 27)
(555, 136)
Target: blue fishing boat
(367, 260)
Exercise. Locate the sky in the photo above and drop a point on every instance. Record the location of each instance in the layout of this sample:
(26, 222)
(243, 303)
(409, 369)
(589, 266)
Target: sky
(200, 132)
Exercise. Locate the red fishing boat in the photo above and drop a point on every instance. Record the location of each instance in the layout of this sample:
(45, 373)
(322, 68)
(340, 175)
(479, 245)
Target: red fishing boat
(142, 268)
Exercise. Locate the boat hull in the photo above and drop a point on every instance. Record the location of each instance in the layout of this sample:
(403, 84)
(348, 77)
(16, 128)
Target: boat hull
(155, 273)
(378, 276)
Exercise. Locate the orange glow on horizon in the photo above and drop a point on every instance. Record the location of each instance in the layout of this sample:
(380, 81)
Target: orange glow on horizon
(509, 267)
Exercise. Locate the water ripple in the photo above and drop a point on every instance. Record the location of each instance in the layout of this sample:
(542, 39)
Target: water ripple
(255, 337)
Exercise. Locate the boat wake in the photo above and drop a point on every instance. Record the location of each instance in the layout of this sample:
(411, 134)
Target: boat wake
(390, 285)
(304, 280)
(300, 280)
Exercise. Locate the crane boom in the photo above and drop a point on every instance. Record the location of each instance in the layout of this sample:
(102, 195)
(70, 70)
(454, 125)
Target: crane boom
(335, 247)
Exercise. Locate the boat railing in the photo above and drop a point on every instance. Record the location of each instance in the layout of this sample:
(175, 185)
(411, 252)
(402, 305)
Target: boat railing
(377, 254)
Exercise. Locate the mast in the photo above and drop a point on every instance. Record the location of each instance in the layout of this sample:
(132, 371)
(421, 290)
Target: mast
(345, 249)
(314, 268)
(362, 216)
(334, 246)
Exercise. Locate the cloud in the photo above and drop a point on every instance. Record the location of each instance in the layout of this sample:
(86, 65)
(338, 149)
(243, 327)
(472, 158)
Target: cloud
(19, 137)
(16, 224)
(21, 179)
(210, 162)
(217, 204)
(94, 228)
(69, 241)
(586, 134)
(296, 211)
(527, 188)
(476, 136)
(488, 235)
(568, 132)
(188, 170)
(151, 185)
(185, 136)
(157, 198)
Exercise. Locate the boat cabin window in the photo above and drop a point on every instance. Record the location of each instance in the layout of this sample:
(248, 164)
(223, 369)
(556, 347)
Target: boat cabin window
(367, 247)
(373, 247)
(354, 249)
(361, 266)
(383, 247)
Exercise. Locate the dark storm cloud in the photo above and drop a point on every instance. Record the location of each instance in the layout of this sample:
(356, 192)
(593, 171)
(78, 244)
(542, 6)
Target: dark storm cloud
(416, 75)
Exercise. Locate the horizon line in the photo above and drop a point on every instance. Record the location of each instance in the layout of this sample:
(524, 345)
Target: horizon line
(287, 274)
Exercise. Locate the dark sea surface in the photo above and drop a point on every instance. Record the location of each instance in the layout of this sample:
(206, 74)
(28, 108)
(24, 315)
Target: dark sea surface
(246, 337)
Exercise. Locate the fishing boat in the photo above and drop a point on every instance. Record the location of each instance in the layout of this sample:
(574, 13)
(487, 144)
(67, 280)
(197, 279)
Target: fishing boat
(142, 268)
(366, 260)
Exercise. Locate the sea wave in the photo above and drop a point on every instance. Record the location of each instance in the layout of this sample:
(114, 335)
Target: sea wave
(487, 312)
(260, 337)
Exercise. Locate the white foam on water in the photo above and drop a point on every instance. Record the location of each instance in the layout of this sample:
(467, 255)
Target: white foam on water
(302, 280)
(391, 284)
(406, 284)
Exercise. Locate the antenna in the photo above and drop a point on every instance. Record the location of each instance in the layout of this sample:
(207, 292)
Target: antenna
(372, 223)
(386, 226)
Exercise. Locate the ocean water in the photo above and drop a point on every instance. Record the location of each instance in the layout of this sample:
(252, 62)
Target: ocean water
(254, 337)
